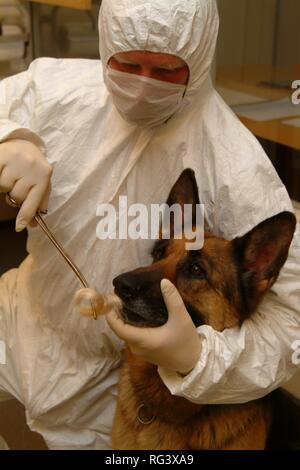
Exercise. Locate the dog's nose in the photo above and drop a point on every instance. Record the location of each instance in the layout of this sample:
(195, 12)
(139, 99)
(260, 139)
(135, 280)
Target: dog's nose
(127, 285)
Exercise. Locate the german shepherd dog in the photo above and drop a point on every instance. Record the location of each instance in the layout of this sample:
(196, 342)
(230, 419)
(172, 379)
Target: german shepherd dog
(221, 285)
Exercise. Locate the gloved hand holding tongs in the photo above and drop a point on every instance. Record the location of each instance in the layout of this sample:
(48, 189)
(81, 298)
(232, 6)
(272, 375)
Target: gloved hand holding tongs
(25, 176)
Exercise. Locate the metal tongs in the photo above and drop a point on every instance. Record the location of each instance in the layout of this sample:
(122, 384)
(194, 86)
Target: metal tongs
(40, 221)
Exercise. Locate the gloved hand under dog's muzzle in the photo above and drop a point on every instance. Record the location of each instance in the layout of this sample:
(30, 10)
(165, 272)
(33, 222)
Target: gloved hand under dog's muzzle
(174, 346)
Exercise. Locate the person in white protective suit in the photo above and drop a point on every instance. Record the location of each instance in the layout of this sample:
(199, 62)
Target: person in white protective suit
(84, 120)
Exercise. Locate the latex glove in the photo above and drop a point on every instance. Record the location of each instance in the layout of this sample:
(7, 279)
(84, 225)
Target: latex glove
(175, 345)
(25, 174)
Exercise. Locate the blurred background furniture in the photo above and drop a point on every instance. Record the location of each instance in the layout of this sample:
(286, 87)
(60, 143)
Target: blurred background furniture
(79, 4)
(15, 34)
(65, 28)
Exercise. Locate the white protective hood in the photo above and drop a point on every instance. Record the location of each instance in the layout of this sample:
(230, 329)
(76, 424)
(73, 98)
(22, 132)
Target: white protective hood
(61, 365)
(187, 29)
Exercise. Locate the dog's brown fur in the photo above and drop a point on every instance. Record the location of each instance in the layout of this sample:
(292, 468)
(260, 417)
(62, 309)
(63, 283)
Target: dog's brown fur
(229, 281)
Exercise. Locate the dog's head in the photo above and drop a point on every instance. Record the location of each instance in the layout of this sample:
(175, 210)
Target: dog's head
(221, 284)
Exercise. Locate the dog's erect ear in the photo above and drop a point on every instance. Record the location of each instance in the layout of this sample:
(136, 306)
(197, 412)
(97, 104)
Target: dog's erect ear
(261, 253)
(185, 191)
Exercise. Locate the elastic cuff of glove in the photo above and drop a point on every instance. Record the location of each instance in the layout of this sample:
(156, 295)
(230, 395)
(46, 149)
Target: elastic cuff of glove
(25, 134)
(184, 374)
(172, 375)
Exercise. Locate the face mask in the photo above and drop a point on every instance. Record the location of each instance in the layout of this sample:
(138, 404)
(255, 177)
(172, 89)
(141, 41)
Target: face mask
(142, 100)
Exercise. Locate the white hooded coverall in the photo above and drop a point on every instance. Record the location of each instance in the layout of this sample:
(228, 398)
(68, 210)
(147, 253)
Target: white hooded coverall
(63, 367)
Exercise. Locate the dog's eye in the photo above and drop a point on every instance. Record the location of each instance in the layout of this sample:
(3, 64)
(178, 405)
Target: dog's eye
(196, 270)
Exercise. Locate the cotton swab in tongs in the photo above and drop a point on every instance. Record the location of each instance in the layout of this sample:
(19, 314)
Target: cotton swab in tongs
(93, 296)
(102, 303)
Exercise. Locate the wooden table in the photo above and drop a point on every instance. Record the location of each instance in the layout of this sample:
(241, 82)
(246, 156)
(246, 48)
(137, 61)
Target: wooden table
(78, 4)
(280, 141)
(249, 79)
(275, 131)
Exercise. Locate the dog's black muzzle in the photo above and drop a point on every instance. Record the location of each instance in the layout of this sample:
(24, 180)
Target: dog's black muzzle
(142, 298)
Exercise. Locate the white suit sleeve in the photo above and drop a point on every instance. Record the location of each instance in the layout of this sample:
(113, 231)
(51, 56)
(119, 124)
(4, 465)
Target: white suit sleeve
(17, 101)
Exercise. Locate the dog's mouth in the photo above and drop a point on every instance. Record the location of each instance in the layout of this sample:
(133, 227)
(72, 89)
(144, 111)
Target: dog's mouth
(143, 316)
(143, 313)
